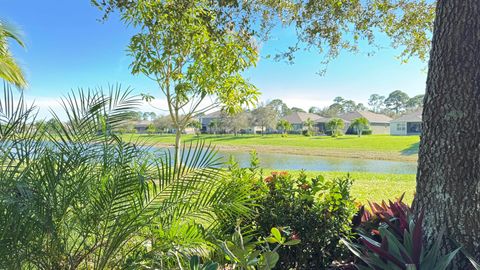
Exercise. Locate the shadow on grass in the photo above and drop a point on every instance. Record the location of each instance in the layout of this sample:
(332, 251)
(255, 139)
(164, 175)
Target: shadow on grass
(411, 150)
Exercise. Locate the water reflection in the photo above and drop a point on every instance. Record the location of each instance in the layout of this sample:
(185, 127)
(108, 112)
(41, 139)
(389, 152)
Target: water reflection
(316, 163)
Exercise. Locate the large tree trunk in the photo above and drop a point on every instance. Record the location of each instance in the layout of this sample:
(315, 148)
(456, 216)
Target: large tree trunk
(448, 180)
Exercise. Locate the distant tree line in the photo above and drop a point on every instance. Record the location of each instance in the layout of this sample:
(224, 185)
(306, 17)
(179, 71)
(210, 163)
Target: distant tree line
(396, 103)
(268, 116)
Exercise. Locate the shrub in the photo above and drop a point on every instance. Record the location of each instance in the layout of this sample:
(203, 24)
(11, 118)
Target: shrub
(367, 132)
(307, 133)
(315, 210)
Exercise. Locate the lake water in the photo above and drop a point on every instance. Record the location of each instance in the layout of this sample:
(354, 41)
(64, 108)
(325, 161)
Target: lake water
(317, 163)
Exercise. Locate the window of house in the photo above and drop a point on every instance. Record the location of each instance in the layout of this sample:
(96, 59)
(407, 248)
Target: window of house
(401, 126)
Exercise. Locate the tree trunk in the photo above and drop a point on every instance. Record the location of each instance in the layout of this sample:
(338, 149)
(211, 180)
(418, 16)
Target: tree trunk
(178, 136)
(448, 179)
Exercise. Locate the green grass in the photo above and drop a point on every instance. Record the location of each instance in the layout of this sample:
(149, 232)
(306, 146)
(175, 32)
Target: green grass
(373, 187)
(384, 145)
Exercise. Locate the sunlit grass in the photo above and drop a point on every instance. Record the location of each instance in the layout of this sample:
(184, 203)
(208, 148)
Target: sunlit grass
(373, 186)
(403, 144)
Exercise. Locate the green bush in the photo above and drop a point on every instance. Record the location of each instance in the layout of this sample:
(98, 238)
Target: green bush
(367, 132)
(307, 133)
(315, 211)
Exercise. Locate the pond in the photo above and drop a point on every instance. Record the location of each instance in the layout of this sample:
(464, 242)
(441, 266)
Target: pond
(278, 161)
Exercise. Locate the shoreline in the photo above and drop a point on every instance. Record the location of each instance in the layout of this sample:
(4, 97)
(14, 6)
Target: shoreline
(321, 152)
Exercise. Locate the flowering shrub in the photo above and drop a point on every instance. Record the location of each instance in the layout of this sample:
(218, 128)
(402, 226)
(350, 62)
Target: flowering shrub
(315, 210)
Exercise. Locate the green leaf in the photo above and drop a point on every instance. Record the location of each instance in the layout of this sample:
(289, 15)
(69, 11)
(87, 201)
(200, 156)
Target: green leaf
(292, 242)
(276, 233)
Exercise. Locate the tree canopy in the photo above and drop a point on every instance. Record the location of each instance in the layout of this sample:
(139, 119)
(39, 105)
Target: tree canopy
(10, 71)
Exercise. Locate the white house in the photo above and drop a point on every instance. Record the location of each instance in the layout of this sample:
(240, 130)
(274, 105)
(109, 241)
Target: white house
(408, 124)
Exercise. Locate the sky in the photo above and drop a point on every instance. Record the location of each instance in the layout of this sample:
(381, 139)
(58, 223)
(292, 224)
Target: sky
(69, 48)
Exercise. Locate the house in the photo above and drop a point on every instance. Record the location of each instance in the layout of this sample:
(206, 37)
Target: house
(408, 124)
(206, 119)
(298, 119)
(379, 123)
(141, 126)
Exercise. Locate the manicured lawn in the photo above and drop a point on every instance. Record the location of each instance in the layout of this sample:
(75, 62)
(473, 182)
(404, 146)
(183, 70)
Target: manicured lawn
(373, 186)
(378, 146)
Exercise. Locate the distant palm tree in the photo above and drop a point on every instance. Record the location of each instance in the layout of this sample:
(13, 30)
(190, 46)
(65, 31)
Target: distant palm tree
(214, 125)
(10, 71)
(335, 126)
(308, 124)
(284, 126)
(360, 124)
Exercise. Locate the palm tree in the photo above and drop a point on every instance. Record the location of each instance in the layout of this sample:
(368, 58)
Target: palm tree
(214, 125)
(360, 124)
(308, 124)
(335, 125)
(76, 198)
(284, 126)
(10, 71)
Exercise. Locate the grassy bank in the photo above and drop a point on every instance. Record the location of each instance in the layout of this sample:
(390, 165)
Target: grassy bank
(373, 186)
(384, 147)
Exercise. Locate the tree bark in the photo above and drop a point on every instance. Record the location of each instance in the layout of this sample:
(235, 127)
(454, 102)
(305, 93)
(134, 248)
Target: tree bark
(178, 137)
(448, 179)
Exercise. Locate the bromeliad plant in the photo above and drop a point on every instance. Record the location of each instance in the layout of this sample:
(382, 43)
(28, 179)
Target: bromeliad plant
(392, 238)
(394, 214)
(78, 197)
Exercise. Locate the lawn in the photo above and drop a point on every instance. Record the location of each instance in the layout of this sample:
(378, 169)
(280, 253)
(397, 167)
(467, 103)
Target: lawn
(372, 146)
(373, 186)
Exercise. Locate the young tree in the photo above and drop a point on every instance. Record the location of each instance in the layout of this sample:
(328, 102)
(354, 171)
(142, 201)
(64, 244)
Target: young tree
(196, 125)
(284, 126)
(265, 117)
(151, 129)
(236, 122)
(376, 102)
(163, 123)
(10, 71)
(196, 61)
(360, 124)
(336, 126)
(214, 125)
(397, 101)
(308, 126)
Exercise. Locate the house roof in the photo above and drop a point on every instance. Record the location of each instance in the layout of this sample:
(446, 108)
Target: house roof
(142, 123)
(370, 116)
(301, 117)
(415, 116)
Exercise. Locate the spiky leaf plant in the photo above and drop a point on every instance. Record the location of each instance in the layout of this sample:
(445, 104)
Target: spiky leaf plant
(78, 197)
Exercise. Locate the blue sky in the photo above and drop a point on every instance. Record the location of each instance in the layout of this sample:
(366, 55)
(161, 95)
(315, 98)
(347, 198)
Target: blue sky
(67, 48)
